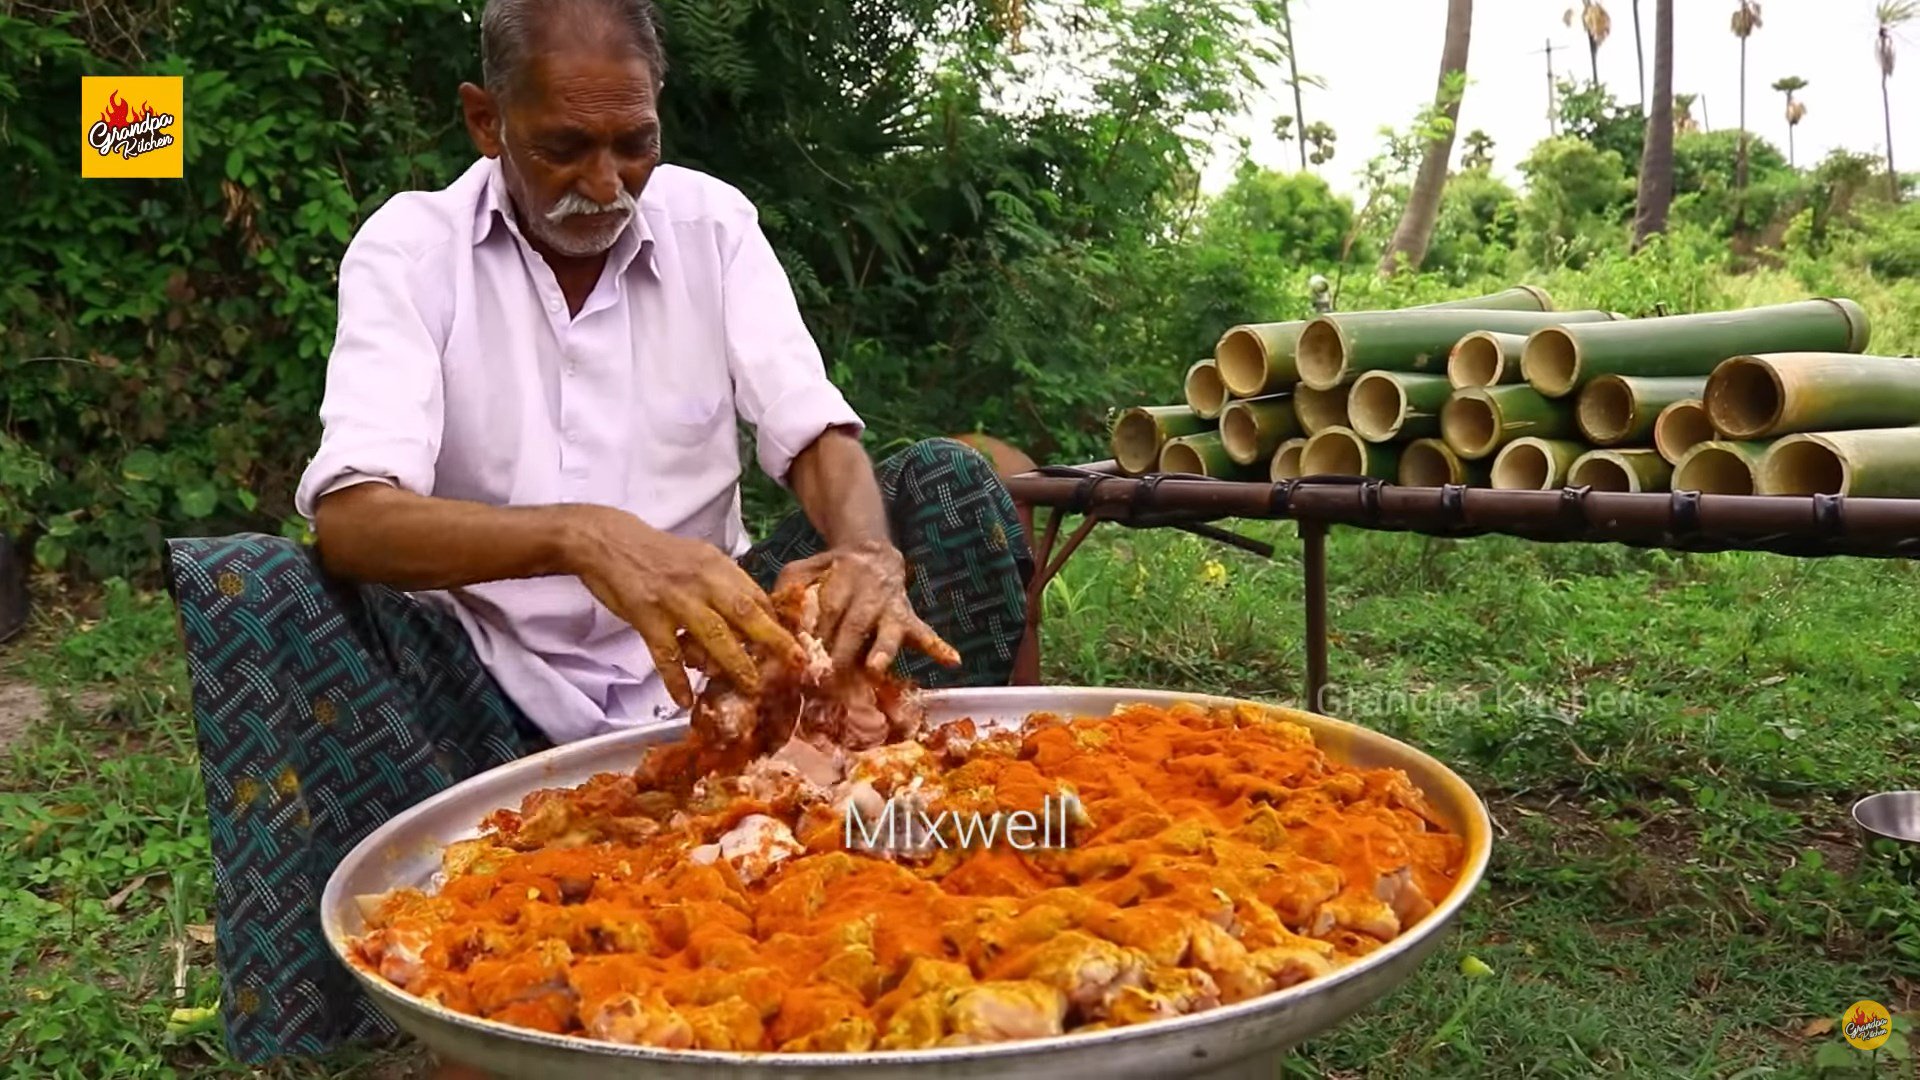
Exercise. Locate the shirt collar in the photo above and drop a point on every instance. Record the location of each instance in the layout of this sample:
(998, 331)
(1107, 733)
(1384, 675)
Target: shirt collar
(495, 209)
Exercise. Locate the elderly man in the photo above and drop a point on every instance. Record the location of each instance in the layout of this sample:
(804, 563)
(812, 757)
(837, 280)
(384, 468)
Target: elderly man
(526, 494)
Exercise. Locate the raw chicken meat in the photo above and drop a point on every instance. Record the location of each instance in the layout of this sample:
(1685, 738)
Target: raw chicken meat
(812, 702)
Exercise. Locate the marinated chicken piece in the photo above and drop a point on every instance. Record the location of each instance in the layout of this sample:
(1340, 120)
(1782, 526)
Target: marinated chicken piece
(1005, 1011)
(1169, 991)
(1400, 893)
(1162, 934)
(1354, 910)
(725, 1025)
(395, 952)
(753, 847)
(821, 1019)
(639, 1020)
(854, 1035)
(919, 1023)
(1086, 969)
(888, 768)
(1284, 966)
(925, 976)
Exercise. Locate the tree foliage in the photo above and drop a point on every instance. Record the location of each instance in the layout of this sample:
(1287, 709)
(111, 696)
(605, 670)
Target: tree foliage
(164, 342)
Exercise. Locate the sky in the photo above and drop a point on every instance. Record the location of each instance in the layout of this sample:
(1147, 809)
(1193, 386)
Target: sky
(1380, 59)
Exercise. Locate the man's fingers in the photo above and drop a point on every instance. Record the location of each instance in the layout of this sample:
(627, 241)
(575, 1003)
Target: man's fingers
(659, 636)
(717, 639)
(836, 596)
(886, 645)
(692, 654)
(762, 628)
(922, 637)
(855, 629)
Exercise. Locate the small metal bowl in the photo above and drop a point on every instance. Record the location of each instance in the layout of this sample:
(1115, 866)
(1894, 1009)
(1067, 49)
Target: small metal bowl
(1890, 815)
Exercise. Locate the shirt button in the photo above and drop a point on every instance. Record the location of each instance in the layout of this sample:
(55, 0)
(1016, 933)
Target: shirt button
(553, 305)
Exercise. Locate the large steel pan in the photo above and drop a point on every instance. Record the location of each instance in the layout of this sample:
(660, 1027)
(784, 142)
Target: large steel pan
(1243, 1040)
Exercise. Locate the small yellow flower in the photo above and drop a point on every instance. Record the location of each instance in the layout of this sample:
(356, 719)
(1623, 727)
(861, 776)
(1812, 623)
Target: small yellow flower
(1214, 573)
(245, 790)
(288, 782)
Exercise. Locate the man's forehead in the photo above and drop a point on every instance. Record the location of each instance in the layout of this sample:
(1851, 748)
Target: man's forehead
(565, 72)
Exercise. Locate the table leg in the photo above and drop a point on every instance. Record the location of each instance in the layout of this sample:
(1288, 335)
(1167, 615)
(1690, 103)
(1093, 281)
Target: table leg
(1313, 538)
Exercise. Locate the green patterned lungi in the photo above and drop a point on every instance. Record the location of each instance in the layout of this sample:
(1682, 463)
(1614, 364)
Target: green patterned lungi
(325, 709)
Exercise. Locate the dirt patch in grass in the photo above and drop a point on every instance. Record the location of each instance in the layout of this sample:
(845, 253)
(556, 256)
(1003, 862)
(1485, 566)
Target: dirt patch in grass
(21, 706)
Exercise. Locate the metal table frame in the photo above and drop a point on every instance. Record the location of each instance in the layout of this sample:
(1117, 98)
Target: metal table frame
(1796, 526)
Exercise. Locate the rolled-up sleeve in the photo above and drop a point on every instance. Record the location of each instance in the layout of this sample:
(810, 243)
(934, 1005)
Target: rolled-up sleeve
(780, 382)
(383, 409)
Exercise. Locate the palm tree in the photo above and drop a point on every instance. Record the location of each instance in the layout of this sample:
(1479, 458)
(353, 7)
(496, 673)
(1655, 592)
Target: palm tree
(1656, 160)
(1796, 110)
(1683, 121)
(1479, 153)
(1415, 232)
(1892, 15)
(1293, 76)
(1746, 19)
(1640, 56)
(1598, 26)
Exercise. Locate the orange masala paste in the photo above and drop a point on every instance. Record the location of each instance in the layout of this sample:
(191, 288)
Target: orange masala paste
(1211, 857)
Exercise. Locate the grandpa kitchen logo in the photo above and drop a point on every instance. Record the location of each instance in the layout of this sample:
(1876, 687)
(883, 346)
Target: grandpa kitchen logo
(122, 140)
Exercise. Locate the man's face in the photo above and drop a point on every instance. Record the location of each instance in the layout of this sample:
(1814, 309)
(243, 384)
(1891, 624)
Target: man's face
(577, 143)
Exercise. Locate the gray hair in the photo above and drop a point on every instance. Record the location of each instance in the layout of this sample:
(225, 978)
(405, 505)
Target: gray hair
(510, 30)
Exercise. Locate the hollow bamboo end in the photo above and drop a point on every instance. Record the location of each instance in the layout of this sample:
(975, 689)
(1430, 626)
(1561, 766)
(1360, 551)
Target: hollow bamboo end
(1470, 423)
(1136, 441)
(1601, 474)
(1377, 407)
(1182, 458)
(1605, 410)
(1430, 463)
(1476, 361)
(1804, 465)
(1318, 410)
(1240, 433)
(1242, 359)
(1551, 362)
(1745, 398)
(1286, 461)
(1524, 465)
(1321, 355)
(1679, 428)
(1540, 296)
(1714, 470)
(1206, 390)
(1335, 452)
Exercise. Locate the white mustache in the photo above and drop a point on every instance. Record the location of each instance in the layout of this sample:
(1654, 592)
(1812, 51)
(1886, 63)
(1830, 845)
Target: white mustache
(573, 204)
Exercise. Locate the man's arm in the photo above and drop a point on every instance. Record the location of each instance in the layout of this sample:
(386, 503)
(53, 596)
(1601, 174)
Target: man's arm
(658, 582)
(834, 483)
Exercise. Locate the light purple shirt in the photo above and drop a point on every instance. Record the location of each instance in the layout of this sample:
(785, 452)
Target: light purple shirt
(458, 372)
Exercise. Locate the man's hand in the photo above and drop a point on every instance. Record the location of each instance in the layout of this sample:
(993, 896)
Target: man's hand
(662, 584)
(864, 605)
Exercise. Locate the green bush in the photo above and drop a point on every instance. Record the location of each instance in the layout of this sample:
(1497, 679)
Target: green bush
(1577, 204)
(1477, 227)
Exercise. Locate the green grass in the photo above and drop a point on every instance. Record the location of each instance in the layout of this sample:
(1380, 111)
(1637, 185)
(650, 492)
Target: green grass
(1668, 745)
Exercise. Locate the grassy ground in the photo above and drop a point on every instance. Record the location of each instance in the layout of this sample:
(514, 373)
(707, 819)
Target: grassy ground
(1668, 745)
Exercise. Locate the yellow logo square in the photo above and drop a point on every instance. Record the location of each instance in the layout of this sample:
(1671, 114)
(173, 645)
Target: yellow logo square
(132, 127)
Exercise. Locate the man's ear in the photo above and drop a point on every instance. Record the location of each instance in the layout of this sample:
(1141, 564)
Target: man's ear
(484, 118)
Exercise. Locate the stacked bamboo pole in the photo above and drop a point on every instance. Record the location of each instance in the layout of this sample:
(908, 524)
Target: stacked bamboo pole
(1502, 391)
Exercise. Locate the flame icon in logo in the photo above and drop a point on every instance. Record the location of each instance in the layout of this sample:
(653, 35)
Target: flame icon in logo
(119, 112)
